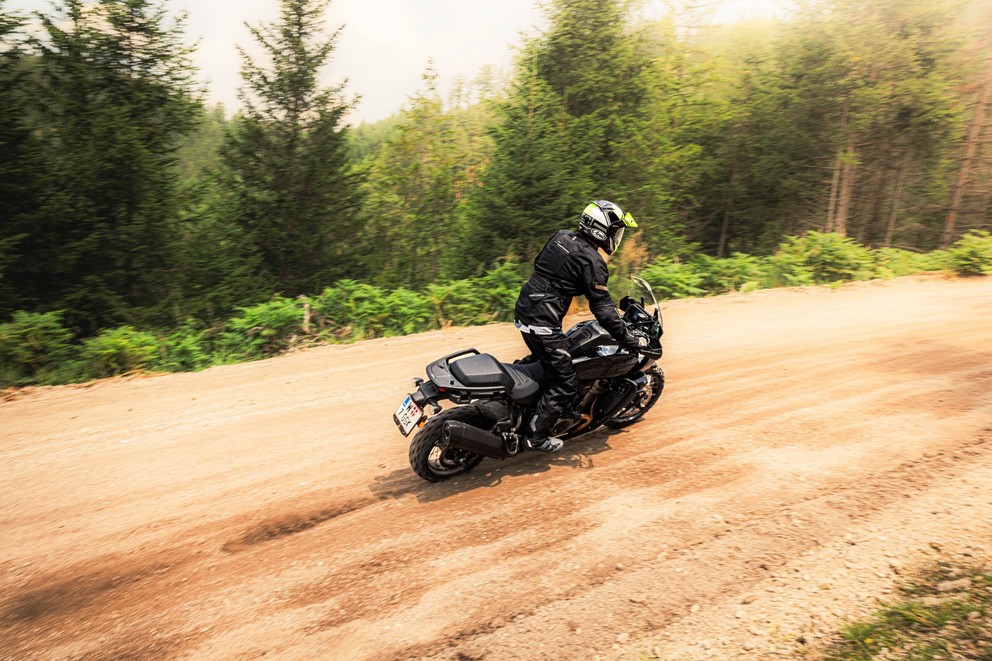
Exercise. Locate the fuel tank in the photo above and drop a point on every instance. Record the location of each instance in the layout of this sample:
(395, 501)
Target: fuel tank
(605, 363)
(594, 352)
(585, 336)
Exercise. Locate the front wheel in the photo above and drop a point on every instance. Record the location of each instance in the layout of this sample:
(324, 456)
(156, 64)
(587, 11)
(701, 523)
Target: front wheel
(430, 456)
(642, 402)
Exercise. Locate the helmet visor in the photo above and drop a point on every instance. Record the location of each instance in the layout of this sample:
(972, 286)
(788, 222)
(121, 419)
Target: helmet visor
(616, 236)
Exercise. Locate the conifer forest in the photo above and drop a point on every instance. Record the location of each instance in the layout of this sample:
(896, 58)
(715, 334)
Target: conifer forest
(141, 228)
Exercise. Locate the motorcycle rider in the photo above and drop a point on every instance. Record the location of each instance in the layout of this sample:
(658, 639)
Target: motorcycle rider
(569, 265)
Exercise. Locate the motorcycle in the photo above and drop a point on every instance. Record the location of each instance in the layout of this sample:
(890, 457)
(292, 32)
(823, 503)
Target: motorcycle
(495, 400)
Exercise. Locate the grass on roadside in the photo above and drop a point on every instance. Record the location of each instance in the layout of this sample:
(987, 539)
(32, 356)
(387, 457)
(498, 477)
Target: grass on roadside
(944, 613)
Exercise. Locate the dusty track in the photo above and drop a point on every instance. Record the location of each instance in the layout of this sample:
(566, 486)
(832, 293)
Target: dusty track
(808, 443)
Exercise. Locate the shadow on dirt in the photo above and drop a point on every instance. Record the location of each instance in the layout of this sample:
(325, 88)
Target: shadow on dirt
(56, 596)
(577, 454)
(293, 523)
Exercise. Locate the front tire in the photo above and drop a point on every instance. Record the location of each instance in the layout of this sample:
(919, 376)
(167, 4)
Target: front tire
(432, 459)
(643, 401)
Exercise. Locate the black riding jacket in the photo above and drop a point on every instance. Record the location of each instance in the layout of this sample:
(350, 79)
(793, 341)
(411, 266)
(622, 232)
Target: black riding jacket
(569, 265)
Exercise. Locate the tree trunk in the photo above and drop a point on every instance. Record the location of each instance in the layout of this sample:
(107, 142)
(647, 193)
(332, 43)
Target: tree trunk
(834, 183)
(974, 133)
(837, 170)
(846, 191)
(903, 166)
(728, 205)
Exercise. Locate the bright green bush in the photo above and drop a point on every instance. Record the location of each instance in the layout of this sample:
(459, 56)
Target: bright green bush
(498, 290)
(262, 330)
(352, 310)
(185, 350)
(458, 302)
(671, 279)
(972, 254)
(739, 272)
(116, 351)
(895, 263)
(938, 260)
(820, 258)
(788, 269)
(408, 312)
(34, 348)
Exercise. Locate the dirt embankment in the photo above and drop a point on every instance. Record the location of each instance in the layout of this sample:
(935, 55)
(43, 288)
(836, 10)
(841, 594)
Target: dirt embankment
(811, 444)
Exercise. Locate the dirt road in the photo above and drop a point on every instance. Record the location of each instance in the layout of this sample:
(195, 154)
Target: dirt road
(810, 444)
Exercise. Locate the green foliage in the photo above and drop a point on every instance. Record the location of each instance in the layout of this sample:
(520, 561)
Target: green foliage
(199, 151)
(184, 350)
(33, 348)
(117, 351)
(19, 163)
(219, 267)
(972, 254)
(894, 263)
(820, 258)
(499, 289)
(601, 87)
(262, 330)
(673, 279)
(788, 269)
(286, 156)
(416, 178)
(929, 623)
(737, 273)
(408, 312)
(112, 95)
(36, 348)
(812, 259)
(533, 185)
(353, 309)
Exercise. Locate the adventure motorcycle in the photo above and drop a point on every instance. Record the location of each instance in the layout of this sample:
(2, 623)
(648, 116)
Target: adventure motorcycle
(616, 389)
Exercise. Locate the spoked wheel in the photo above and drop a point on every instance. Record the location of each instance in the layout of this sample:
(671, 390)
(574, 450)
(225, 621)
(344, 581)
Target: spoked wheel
(430, 456)
(642, 402)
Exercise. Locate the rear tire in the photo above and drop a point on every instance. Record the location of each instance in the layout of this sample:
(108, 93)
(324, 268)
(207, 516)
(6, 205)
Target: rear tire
(642, 402)
(432, 459)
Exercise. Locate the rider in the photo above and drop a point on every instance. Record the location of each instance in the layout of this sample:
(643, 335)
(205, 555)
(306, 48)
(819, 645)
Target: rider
(569, 265)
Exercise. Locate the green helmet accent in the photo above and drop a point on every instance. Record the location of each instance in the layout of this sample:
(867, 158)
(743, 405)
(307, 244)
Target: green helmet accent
(603, 223)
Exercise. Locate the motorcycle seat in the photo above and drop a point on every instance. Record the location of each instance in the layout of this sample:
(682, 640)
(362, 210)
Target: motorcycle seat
(527, 380)
(481, 371)
(522, 380)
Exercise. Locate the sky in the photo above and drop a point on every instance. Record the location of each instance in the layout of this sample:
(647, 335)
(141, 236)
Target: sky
(385, 45)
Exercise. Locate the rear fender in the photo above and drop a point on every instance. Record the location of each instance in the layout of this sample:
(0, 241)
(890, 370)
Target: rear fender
(427, 393)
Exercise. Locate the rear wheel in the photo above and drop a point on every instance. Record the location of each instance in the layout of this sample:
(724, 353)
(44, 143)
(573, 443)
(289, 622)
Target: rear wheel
(642, 402)
(432, 459)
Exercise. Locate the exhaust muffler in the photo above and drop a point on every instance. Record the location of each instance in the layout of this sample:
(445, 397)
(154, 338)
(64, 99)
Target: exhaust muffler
(466, 437)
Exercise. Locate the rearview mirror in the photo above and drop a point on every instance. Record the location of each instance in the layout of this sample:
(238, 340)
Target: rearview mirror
(625, 303)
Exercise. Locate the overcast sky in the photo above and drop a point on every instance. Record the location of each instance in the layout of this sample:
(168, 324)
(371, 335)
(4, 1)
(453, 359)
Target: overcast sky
(384, 47)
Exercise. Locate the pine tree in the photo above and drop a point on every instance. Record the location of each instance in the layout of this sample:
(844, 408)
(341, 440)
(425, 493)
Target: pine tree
(116, 95)
(287, 155)
(532, 186)
(593, 61)
(18, 174)
(419, 179)
(577, 96)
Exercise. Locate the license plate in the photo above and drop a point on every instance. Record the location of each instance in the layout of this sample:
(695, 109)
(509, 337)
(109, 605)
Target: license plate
(407, 416)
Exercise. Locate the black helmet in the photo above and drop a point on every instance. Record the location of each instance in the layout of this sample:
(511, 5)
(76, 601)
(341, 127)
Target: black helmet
(603, 222)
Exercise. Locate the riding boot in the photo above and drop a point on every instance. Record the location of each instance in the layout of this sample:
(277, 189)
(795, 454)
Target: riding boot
(538, 436)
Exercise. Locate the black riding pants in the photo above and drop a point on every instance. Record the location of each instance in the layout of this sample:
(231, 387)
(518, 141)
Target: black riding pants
(561, 386)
